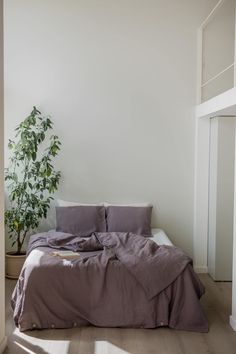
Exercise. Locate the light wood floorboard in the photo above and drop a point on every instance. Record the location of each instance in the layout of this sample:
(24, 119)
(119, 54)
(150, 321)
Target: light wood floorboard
(221, 339)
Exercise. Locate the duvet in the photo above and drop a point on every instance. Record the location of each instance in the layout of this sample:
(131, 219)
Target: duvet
(119, 280)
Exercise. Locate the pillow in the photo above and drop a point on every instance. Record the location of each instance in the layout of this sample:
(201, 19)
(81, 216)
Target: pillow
(64, 203)
(81, 220)
(129, 219)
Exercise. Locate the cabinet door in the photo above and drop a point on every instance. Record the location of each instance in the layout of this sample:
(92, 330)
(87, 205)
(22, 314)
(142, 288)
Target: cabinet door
(221, 194)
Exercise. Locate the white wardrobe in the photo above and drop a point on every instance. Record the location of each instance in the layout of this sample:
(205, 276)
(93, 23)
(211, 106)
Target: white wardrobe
(221, 198)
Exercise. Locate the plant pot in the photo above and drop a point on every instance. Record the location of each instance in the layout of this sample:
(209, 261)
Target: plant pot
(14, 264)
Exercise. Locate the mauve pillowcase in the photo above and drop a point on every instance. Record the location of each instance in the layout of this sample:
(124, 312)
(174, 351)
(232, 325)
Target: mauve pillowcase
(81, 220)
(129, 219)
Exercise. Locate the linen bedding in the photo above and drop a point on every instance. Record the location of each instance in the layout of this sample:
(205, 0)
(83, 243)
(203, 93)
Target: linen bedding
(120, 280)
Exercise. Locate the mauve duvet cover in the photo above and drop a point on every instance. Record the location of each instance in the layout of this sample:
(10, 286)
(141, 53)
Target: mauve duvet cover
(120, 280)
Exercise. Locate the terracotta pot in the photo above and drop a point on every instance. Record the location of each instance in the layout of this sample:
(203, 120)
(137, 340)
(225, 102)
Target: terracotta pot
(14, 264)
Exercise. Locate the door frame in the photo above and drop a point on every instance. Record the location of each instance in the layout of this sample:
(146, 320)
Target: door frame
(201, 204)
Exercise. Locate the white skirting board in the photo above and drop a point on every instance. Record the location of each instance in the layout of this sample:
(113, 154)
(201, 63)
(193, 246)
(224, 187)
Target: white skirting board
(232, 322)
(3, 344)
(200, 269)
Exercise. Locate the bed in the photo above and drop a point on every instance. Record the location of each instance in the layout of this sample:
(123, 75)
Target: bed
(100, 290)
(118, 279)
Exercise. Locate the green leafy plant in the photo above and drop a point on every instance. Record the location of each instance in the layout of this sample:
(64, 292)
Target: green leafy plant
(30, 178)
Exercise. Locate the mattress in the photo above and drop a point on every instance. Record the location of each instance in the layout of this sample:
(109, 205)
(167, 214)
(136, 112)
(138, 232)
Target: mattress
(160, 237)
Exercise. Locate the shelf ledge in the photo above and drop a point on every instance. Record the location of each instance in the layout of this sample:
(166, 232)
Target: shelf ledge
(221, 105)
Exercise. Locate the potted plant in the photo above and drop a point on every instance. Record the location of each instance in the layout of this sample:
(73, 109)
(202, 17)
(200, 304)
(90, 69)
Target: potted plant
(30, 180)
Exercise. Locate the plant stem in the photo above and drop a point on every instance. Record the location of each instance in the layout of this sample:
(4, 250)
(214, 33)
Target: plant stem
(23, 238)
(19, 244)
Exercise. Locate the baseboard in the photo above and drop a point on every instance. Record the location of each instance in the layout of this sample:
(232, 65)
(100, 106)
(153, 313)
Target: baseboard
(232, 322)
(200, 269)
(3, 344)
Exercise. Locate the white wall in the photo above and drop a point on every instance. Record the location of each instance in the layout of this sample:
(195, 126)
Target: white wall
(233, 316)
(2, 238)
(118, 78)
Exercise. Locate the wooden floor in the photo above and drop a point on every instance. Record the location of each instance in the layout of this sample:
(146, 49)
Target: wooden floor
(221, 339)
